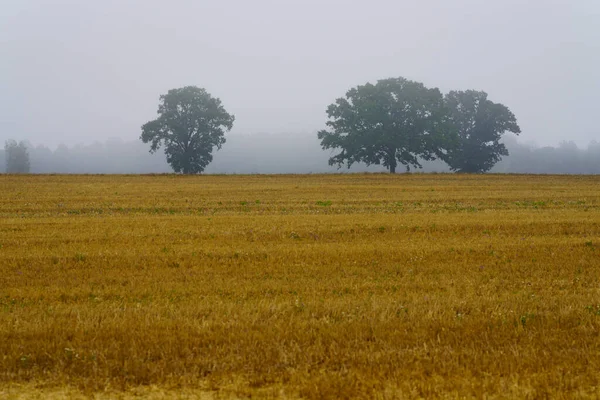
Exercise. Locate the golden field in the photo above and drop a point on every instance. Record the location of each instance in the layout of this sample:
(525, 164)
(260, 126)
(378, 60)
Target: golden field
(308, 286)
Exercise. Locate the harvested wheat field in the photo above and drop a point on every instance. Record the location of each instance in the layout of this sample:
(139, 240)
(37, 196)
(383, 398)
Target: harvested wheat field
(318, 286)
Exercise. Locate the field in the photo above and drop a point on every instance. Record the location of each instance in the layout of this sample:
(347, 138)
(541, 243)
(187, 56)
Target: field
(314, 286)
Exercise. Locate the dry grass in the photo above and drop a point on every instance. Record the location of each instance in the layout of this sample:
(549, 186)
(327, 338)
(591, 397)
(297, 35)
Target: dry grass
(333, 286)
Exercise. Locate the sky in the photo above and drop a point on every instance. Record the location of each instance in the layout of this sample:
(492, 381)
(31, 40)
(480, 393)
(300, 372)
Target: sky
(80, 71)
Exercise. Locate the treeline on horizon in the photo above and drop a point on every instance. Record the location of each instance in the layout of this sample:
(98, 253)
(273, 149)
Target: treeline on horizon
(290, 154)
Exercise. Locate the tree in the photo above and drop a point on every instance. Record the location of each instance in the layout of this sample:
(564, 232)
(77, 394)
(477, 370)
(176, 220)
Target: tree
(17, 157)
(393, 122)
(478, 125)
(190, 125)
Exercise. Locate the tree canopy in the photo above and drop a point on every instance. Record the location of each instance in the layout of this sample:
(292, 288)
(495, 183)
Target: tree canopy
(190, 125)
(395, 121)
(478, 125)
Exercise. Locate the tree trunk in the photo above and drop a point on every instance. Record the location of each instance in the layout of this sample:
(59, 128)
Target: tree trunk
(393, 163)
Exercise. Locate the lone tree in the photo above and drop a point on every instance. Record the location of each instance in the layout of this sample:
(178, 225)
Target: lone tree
(17, 157)
(190, 125)
(392, 122)
(478, 125)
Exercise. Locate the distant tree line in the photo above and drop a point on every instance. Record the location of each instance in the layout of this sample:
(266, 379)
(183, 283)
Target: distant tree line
(16, 157)
(287, 153)
(566, 158)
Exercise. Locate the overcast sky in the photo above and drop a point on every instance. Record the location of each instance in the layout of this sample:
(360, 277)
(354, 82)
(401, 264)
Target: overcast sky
(77, 71)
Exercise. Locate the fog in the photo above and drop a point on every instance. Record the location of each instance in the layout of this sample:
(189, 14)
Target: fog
(273, 154)
(80, 72)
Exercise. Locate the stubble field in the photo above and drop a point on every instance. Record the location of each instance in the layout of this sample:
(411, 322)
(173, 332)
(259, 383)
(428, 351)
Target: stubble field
(314, 286)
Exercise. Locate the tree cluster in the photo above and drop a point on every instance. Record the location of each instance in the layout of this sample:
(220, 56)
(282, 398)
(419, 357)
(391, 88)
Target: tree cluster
(401, 122)
(393, 122)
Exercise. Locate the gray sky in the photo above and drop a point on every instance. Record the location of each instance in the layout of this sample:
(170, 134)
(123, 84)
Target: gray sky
(77, 71)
